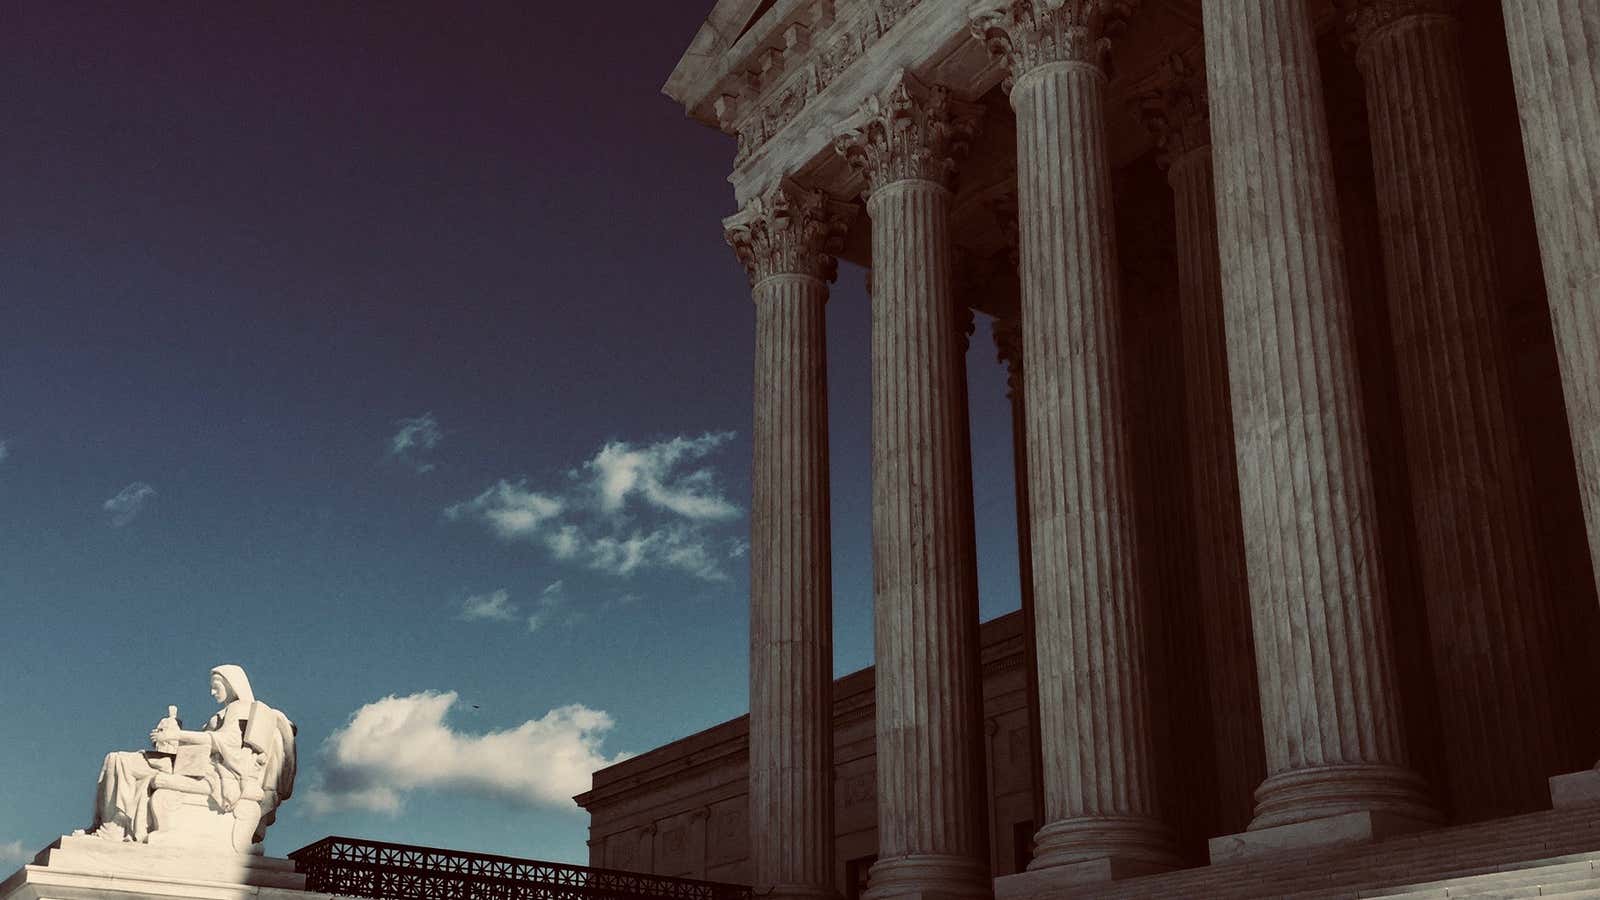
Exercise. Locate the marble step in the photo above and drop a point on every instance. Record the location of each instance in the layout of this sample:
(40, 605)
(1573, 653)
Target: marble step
(1535, 878)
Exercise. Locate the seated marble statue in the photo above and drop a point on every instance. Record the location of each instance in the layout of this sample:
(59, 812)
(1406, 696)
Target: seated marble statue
(217, 788)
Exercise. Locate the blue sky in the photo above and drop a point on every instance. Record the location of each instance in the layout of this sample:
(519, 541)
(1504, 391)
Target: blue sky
(393, 353)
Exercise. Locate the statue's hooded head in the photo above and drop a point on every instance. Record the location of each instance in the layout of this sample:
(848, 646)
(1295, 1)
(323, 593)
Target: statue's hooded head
(237, 684)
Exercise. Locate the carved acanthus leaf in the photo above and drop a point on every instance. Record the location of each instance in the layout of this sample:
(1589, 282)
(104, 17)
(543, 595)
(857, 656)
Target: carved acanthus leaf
(1003, 207)
(1365, 18)
(892, 11)
(1026, 34)
(910, 131)
(1175, 109)
(1007, 334)
(790, 231)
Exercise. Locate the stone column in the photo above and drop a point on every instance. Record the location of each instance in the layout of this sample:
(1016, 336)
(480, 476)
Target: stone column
(1177, 116)
(786, 241)
(1555, 63)
(932, 829)
(1008, 345)
(1100, 803)
(1334, 740)
(1487, 600)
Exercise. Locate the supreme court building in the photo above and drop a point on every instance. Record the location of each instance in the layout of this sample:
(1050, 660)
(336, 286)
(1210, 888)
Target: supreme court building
(1300, 302)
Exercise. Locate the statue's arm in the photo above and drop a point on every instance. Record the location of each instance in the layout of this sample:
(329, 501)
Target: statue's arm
(180, 735)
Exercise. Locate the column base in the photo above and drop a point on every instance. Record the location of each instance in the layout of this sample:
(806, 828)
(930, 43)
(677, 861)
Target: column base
(1050, 882)
(928, 877)
(1323, 792)
(1346, 828)
(1111, 841)
(1575, 789)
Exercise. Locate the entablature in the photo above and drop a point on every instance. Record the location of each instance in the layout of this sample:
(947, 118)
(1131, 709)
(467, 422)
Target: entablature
(784, 77)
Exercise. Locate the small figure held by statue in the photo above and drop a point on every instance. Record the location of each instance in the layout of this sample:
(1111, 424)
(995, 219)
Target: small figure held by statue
(217, 788)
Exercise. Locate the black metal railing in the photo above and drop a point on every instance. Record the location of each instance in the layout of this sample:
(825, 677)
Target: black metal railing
(351, 867)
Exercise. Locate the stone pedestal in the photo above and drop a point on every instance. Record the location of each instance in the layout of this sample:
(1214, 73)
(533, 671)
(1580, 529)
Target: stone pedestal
(1334, 740)
(1093, 694)
(1555, 64)
(932, 824)
(91, 868)
(1575, 789)
(1331, 831)
(786, 241)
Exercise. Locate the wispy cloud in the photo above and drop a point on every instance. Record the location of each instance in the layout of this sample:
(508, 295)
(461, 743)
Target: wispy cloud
(13, 853)
(652, 474)
(128, 503)
(398, 745)
(510, 510)
(5, 452)
(550, 601)
(627, 509)
(495, 606)
(414, 440)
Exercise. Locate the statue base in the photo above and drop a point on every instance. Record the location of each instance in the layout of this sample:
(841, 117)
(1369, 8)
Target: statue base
(84, 867)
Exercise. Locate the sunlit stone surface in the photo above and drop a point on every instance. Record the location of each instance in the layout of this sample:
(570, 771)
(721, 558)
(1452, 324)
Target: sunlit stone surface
(185, 818)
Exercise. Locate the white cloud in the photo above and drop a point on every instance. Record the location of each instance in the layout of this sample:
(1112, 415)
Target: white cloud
(564, 542)
(738, 548)
(13, 853)
(650, 472)
(495, 606)
(128, 503)
(398, 745)
(5, 451)
(414, 440)
(629, 508)
(511, 510)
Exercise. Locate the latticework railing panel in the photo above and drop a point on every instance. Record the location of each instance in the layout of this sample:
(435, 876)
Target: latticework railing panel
(357, 868)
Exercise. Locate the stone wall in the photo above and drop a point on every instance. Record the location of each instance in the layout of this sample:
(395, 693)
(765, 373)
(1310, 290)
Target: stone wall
(681, 809)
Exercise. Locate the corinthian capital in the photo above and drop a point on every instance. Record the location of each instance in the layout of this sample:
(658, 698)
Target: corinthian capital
(789, 231)
(910, 131)
(1007, 334)
(1027, 34)
(1365, 18)
(1175, 109)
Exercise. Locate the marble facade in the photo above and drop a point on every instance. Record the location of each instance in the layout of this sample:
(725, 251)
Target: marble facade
(1326, 271)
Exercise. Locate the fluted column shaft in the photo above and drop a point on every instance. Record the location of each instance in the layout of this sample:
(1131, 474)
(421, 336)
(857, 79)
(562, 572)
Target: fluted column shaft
(786, 242)
(1485, 590)
(923, 549)
(1224, 585)
(791, 631)
(932, 819)
(1555, 63)
(1093, 691)
(1333, 734)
